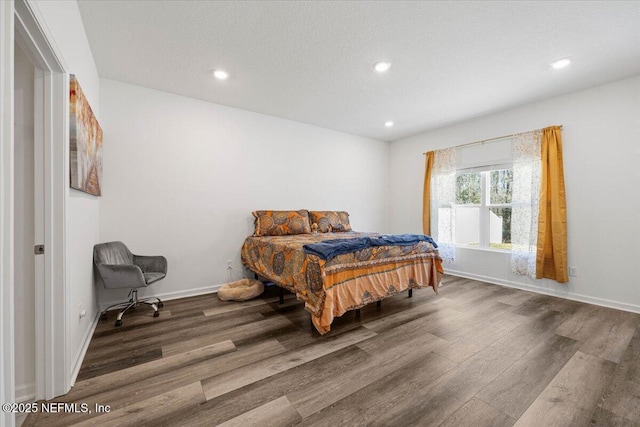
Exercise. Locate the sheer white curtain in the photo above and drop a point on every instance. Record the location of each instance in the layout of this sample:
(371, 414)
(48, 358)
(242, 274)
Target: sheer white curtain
(525, 202)
(443, 196)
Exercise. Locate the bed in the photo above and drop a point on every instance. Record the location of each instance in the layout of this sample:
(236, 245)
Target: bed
(280, 252)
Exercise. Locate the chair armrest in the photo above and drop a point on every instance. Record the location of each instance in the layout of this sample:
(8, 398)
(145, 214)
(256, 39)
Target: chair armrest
(151, 264)
(121, 276)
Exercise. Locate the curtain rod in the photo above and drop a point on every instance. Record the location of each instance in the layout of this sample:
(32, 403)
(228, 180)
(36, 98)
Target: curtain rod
(482, 141)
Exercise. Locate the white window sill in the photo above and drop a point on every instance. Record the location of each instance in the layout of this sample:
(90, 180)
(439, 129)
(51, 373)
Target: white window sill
(475, 248)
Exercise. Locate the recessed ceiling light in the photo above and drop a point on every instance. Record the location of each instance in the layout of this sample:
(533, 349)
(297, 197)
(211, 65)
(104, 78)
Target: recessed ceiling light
(388, 124)
(220, 74)
(382, 66)
(561, 63)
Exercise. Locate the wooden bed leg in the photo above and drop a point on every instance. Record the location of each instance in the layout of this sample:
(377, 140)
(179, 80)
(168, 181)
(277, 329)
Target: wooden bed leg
(357, 312)
(281, 296)
(410, 293)
(378, 304)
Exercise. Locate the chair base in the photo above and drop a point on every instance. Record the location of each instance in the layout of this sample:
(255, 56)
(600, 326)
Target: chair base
(133, 302)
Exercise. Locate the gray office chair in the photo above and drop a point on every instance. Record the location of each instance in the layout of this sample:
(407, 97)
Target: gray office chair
(117, 267)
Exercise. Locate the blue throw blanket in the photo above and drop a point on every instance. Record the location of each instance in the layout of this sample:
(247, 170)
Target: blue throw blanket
(331, 248)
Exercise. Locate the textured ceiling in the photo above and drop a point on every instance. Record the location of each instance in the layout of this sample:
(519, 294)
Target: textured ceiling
(312, 61)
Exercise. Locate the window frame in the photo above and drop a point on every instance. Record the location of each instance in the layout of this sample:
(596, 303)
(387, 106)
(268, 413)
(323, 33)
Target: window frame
(485, 205)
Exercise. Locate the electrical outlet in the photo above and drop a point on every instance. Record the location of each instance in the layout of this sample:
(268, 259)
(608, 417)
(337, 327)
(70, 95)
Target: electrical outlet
(573, 271)
(229, 264)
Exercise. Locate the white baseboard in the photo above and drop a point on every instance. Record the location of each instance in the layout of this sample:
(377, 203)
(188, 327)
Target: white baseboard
(567, 295)
(26, 393)
(173, 295)
(77, 361)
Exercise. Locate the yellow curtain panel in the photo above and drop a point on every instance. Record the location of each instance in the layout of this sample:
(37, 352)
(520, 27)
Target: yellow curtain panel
(551, 256)
(426, 194)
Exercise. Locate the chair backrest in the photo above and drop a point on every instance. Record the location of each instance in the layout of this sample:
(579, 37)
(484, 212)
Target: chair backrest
(114, 253)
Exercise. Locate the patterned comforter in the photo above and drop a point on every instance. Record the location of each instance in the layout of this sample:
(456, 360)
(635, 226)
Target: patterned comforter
(346, 282)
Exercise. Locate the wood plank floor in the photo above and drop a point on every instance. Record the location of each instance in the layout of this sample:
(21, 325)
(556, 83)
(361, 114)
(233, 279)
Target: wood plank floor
(476, 354)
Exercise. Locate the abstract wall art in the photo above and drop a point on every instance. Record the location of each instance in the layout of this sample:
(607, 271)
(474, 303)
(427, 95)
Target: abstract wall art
(85, 143)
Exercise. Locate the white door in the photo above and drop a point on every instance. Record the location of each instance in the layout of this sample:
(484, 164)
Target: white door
(26, 175)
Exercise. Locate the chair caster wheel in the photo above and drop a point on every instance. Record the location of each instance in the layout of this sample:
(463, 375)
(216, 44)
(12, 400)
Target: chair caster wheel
(160, 304)
(118, 322)
(156, 314)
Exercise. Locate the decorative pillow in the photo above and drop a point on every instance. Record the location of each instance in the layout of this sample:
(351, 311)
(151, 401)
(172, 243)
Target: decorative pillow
(281, 223)
(330, 221)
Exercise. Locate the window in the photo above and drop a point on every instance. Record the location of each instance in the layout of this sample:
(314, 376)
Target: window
(483, 207)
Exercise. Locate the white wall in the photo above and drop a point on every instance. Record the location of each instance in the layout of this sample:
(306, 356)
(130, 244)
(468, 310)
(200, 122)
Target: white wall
(24, 235)
(601, 141)
(63, 20)
(181, 178)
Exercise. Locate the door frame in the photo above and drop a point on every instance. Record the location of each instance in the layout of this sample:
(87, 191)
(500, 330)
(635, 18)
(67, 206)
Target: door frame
(51, 124)
(7, 357)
